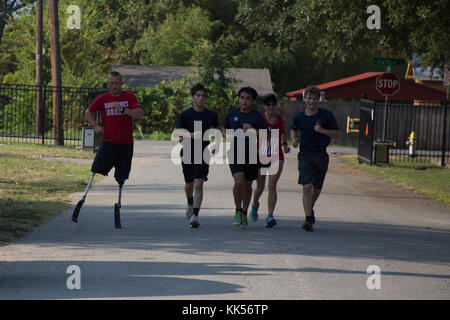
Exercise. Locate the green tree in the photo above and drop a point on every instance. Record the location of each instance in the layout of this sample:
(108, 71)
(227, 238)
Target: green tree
(337, 29)
(77, 66)
(7, 9)
(112, 32)
(19, 45)
(174, 42)
(212, 61)
(162, 104)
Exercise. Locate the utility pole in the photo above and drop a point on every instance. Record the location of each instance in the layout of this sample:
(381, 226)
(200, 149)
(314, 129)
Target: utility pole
(39, 100)
(56, 72)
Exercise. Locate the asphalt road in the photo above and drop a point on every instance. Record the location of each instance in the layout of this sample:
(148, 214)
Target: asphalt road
(361, 222)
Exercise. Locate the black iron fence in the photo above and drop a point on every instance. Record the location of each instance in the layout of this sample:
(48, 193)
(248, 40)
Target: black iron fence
(408, 132)
(393, 123)
(22, 120)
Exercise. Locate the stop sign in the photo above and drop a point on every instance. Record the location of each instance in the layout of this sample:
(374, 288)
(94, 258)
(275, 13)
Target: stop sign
(387, 84)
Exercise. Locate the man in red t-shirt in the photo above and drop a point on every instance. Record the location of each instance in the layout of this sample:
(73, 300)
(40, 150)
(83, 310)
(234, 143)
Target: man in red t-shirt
(119, 108)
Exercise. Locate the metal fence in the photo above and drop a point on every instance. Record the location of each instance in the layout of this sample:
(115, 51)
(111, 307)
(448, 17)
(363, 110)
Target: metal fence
(22, 121)
(394, 124)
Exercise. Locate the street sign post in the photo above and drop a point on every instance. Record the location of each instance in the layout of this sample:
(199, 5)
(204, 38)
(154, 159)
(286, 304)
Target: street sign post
(387, 84)
(447, 77)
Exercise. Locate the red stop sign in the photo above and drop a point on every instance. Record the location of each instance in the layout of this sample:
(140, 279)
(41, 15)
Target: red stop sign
(387, 84)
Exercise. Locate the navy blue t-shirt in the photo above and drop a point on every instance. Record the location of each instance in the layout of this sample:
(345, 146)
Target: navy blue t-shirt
(187, 117)
(235, 119)
(310, 140)
(186, 120)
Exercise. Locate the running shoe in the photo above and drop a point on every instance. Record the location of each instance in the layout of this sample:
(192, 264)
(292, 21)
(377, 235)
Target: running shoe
(270, 221)
(254, 213)
(194, 221)
(237, 217)
(308, 225)
(189, 211)
(244, 222)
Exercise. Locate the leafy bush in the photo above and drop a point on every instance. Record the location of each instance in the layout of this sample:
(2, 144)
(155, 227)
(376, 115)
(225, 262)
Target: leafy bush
(162, 104)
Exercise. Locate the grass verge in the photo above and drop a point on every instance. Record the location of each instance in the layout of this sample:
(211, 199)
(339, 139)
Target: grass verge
(33, 190)
(425, 179)
(155, 135)
(30, 150)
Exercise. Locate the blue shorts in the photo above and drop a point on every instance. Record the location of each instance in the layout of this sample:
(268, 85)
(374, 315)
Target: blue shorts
(312, 167)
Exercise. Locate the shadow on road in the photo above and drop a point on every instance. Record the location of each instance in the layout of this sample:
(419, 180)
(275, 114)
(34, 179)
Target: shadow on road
(131, 279)
(164, 227)
(113, 279)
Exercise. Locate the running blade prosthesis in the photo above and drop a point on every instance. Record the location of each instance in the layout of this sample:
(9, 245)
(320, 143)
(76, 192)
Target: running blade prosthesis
(117, 209)
(117, 216)
(117, 206)
(77, 209)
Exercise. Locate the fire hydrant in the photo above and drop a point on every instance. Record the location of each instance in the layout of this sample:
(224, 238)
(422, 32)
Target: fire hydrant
(412, 144)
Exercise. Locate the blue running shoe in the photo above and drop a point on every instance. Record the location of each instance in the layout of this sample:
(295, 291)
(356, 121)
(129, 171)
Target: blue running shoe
(270, 221)
(254, 213)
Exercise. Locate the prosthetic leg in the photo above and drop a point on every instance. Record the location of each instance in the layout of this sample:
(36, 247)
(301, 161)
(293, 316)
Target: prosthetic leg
(117, 207)
(76, 211)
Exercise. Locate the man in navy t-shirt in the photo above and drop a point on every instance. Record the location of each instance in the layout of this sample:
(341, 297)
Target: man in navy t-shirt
(317, 126)
(243, 155)
(195, 167)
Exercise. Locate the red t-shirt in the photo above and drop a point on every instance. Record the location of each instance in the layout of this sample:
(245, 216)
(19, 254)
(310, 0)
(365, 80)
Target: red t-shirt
(118, 126)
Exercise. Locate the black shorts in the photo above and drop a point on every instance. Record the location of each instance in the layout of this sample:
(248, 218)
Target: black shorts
(250, 170)
(195, 171)
(312, 167)
(111, 155)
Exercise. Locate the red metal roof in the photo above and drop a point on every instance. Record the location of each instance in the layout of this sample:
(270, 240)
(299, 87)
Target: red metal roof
(339, 82)
(355, 86)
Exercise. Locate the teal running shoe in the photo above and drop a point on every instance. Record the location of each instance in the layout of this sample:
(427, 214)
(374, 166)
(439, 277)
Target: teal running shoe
(254, 213)
(270, 221)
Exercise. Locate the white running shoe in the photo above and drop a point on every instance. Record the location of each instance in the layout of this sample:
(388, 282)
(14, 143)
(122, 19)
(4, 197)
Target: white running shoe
(194, 221)
(189, 211)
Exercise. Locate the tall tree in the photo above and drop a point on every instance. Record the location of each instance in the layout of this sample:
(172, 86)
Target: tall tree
(7, 8)
(338, 28)
(173, 42)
